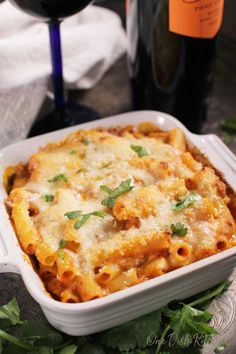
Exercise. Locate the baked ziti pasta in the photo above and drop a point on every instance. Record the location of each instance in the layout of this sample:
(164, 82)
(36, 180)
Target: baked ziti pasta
(107, 209)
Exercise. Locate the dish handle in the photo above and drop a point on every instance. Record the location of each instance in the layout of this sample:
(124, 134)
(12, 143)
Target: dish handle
(7, 262)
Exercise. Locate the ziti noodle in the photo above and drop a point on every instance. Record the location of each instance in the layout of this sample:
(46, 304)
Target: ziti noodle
(103, 210)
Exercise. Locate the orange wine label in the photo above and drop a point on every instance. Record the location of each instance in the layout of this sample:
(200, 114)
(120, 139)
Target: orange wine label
(196, 18)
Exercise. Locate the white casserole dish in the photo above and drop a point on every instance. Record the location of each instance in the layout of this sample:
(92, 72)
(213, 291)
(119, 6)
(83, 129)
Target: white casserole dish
(97, 315)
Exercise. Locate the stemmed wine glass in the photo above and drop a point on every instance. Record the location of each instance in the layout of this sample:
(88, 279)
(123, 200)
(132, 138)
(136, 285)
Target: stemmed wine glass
(65, 113)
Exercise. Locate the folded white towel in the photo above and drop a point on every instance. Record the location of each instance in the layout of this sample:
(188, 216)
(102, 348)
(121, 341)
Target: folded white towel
(92, 41)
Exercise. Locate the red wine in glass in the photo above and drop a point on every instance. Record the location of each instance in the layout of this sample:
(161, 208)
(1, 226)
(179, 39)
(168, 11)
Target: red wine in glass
(65, 113)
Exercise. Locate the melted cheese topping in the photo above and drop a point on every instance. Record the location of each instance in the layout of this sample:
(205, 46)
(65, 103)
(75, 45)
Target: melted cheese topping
(90, 159)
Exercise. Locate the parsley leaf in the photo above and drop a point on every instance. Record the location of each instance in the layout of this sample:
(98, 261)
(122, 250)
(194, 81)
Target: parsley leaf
(41, 333)
(106, 164)
(60, 177)
(187, 322)
(229, 125)
(73, 214)
(90, 348)
(11, 312)
(62, 244)
(85, 141)
(84, 218)
(134, 333)
(48, 198)
(82, 170)
(178, 229)
(124, 187)
(185, 202)
(140, 151)
(70, 349)
(73, 152)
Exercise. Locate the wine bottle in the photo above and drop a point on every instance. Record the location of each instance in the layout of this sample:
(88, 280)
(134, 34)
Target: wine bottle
(171, 55)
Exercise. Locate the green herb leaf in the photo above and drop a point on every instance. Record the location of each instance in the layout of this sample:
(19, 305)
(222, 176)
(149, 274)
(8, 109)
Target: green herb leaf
(229, 125)
(43, 350)
(73, 214)
(60, 254)
(73, 152)
(82, 170)
(178, 229)
(133, 334)
(185, 202)
(124, 187)
(60, 177)
(188, 322)
(106, 164)
(84, 218)
(11, 312)
(81, 222)
(63, 244)
(90, 348)
(70, 349)
(41, 334)
(140, 151)
(85, 141)
(12, 339)
(106, 189)
(48, 198)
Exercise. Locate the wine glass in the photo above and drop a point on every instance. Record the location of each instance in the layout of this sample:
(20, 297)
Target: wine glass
(65, 113)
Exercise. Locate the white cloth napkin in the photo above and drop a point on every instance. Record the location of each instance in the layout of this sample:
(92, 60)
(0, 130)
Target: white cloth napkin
(91, 40)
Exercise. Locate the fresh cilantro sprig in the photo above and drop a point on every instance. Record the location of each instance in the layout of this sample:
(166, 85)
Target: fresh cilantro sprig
(140, 151)
(185, 202)
(83, 217)
(178, 229)
(145, 335)
(57, 178)
(124, 187)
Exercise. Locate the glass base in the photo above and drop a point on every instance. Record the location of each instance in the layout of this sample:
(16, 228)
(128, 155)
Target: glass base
(74, 114)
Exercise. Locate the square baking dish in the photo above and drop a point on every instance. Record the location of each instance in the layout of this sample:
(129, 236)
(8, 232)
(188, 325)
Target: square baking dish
(99, 314)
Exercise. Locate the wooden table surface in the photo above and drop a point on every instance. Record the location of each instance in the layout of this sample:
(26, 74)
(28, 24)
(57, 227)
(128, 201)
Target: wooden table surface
(112, 96)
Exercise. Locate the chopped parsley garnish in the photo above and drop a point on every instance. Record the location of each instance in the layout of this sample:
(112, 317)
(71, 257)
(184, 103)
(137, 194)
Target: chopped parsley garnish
(73, 214)
(63, 244)
(85, 141)
(178, 229)
(82, 170)
(60, 254)
(140, 151)
(124, 187)
(73, 152)
(185, 202)
(48, 198)
(83, 217)
(57, 178)
(106, 164)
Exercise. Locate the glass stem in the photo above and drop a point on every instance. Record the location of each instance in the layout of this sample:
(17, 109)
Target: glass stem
(56, 58)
